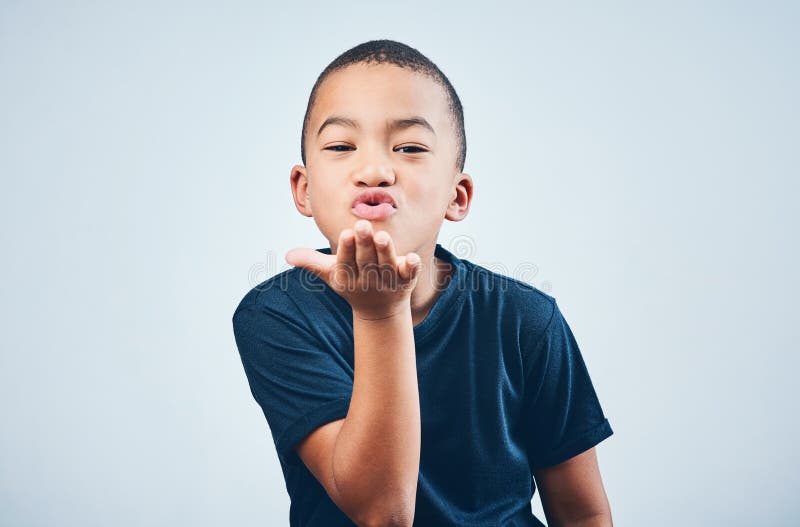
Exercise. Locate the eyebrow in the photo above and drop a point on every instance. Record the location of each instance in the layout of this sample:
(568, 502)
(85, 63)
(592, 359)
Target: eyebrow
(392, 125)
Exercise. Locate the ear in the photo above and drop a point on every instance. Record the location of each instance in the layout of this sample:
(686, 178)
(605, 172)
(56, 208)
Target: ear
(299, 181)
(458, 207)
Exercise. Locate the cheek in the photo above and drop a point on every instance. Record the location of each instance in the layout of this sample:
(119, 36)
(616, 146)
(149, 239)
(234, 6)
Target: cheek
(321, 189)
(427, 196)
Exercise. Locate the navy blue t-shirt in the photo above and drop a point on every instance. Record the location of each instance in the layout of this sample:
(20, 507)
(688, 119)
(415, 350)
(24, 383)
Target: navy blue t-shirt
(503, 390)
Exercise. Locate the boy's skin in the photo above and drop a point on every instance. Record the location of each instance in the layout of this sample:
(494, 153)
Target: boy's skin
(368, 462)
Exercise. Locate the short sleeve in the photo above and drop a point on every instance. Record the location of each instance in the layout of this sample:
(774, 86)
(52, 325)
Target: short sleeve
(299, 384)
(562, 414)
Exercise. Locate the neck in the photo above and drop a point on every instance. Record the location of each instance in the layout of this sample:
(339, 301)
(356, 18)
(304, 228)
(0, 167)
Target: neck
(433, 278)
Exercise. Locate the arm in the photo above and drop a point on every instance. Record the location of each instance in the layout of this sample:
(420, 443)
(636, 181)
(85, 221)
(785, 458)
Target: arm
(572, 493)
(368, 462)
(377, 452)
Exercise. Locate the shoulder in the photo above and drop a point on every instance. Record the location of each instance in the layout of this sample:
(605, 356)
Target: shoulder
(516, 301)
(283, 312)
(282, 292)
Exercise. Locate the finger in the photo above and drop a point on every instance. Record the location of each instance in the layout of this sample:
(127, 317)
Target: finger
(409, 267)
(344, 273)
(416, 263)
(384, 246)
(387, 260)
(346, 248)
(415, 266)
(365, 248)
(311, 259)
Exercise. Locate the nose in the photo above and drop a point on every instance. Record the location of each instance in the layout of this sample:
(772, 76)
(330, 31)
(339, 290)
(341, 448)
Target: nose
(374, 175)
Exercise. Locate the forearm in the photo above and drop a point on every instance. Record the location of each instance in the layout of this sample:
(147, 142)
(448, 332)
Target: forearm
(599, 520)
(376, 456)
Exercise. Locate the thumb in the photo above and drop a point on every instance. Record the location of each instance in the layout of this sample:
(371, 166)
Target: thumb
(313, 260)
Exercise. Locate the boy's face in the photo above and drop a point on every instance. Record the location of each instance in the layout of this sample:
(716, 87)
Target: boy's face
(414, 164)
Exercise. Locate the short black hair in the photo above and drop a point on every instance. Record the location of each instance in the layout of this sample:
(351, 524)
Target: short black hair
(399, 54)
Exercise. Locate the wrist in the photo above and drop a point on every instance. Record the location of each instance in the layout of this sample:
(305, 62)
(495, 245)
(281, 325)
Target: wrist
(384, 313)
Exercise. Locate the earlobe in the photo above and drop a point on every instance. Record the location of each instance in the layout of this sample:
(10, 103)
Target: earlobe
(458, 208)
(298, 179)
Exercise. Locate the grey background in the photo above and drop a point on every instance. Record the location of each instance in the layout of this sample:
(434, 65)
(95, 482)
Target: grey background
(637, 160)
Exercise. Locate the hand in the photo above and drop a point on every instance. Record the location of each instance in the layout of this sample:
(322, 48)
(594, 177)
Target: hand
(365, 271)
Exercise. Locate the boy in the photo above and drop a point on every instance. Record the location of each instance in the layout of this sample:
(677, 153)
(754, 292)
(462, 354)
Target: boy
(404, 385)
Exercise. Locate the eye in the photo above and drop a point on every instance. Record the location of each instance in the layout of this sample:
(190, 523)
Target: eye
(335, 148)
(418, 149)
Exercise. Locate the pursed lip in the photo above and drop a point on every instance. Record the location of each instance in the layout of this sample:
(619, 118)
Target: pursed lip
(374, 196)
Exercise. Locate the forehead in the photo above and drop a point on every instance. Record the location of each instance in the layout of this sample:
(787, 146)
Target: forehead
(373, 93)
